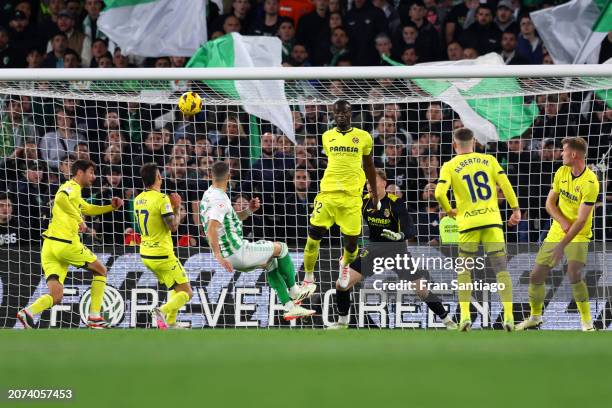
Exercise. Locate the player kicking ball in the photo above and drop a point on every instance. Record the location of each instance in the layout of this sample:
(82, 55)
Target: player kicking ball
(158, 217)
(570, 203)
(390, 223)
(474, 178)
(223, 228)
(349, 152)
(62, 246)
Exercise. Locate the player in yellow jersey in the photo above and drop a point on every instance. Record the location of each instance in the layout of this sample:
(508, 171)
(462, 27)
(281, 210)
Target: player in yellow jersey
(62, 246)
(350, 152)
(158, 216)
(474, 178)
(570, 203)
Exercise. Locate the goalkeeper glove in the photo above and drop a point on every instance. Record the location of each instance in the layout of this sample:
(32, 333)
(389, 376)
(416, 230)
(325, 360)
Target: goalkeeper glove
(393, 236)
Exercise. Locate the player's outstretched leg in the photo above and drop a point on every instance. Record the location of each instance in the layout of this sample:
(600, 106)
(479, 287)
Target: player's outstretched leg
(434, 303)
(98, 284)
(44, 302)
(287, 271)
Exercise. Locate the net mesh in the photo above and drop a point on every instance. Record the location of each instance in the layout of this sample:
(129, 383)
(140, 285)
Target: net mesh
(46, 125)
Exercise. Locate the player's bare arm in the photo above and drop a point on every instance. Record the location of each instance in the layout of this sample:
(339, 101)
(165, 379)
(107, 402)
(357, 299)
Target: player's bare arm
(254, 205)
(553, 210)
(370, 172)
(212, 236)
(506, 187)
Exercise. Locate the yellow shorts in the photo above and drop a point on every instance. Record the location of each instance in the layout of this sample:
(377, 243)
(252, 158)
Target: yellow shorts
(337, 208)
(577, 250)
(491, 238)
(57, 255)
(168, 270)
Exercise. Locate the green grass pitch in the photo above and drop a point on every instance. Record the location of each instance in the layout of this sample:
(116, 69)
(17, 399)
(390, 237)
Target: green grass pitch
(309, 368)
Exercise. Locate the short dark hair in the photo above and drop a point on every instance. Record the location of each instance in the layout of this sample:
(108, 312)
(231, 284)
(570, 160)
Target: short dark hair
(576, 143)
(148, 173)
(219, 170)
(341, 104)
(463, 134)
(82, 165)
(5, 196)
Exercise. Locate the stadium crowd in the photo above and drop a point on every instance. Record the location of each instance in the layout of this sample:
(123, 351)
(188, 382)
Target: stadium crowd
(40, 137)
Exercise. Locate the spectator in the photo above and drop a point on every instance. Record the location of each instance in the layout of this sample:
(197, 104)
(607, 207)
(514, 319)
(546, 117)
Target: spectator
(34, 58)
(232, 134)
(299, 56)
(22, 34)
(427, 41)
(152, 149)
(286, 33)
(383, 45)
(72, 59)
(11, 235)
(33, 197)
(296, 206)
(457, 20)
(391, 14)
(105, 61)
(508, 53)
(56, 145)
(10, 57)
(14, 128)
(394, 162)
(409, 55)
(406, 37)
(529, 44)
(98, 50)
(335, 20)
(364, 22)
(55, 57)
(75, 39)
(504, 18)
(454, 51)
(268, 23)
(90, 23)
(240, 9)
(313, 31)
(120, 60)
(428, 217)
(483, 35)
(339, 46)
(48, 24)
(556, 122)
(335, 6)
(470, 53)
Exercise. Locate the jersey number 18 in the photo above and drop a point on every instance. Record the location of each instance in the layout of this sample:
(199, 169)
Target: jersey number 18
(478, 184)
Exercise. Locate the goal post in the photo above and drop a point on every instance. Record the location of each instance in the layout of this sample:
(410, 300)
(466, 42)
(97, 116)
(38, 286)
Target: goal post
(123, 118)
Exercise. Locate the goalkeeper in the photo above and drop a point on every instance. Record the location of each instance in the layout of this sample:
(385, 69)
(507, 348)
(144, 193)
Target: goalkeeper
(62, 246)
(390, 223)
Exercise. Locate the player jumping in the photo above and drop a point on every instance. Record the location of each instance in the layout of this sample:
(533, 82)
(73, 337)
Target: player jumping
(570, 203)
(158, 216)
(390, 223)
(223, 227)
(339, 200)
(473, 178)
(62, 246)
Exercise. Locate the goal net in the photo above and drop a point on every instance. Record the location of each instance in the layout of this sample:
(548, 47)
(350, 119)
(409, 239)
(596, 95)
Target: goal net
(125, 118)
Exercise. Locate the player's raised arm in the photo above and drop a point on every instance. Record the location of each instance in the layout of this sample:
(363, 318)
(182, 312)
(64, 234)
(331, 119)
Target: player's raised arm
(172, 219)
(92, 209)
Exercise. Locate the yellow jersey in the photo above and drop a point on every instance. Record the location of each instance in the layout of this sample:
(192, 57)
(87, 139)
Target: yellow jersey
(574, 191)
(68, 210)
(150, 207)
(345, 150)
(474, 178)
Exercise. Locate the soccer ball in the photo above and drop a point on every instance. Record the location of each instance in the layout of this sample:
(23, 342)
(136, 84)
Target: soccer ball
(190, 103)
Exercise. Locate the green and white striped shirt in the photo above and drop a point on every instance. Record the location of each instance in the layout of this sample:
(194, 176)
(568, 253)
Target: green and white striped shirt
(216, 205)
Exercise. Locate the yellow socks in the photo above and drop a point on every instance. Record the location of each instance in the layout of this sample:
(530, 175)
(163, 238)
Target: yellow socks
(175, 302)
(506, 294)
(311, 253)
(536, 298)
(348, 257)
(97, 294)
(41, 304)
(581, 296)
(171, 315)
(465, 295)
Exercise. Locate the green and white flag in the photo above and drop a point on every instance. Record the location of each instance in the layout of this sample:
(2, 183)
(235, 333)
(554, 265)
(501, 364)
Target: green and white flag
(491, 119)
(573, 32)
(155, 28)
(235, 50)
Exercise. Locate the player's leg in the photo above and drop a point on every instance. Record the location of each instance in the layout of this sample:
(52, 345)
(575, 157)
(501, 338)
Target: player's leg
(286, 268)
(468, 248)
(55, 272)
(175, 278)
(349, 221)
(343, 296)
(432, 301)
(321, 219)
(495, 247)
(576, 254)
(537, 287)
